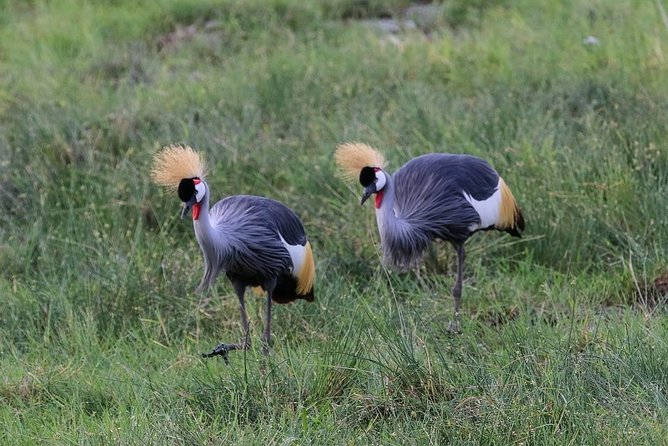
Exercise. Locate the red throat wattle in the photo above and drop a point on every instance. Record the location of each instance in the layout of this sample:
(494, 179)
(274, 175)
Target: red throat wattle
(379, 198)
(196, 208)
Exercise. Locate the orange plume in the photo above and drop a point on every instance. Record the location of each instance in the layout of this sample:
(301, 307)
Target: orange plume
(351, 157)
(174, 163)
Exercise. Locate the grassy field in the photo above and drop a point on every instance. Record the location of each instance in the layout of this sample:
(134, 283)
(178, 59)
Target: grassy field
(565, 332)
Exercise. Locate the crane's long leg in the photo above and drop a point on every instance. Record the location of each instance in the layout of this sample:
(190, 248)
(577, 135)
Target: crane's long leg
(453, 326)
(266, 336)
(245, 342)
(223, 349)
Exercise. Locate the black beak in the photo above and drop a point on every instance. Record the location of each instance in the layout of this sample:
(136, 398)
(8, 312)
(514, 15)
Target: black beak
(187, 205)
(368, 191)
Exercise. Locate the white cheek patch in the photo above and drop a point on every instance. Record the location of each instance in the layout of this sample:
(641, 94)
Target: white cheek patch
(380, 180)
(200, 190)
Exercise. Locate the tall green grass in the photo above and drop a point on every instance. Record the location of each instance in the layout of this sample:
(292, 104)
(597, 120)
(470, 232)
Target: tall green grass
(564, 332)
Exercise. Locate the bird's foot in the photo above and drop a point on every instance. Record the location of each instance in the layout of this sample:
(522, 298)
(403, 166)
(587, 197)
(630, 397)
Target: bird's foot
(266, 346)
(453, 327)
(223, 350)
(204, 303)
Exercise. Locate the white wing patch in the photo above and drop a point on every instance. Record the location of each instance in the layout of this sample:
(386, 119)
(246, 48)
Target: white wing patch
(297, 254)
(487, 209)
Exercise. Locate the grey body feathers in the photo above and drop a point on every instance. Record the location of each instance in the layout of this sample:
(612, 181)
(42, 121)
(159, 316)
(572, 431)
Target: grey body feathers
(240, 236)
(424, 200)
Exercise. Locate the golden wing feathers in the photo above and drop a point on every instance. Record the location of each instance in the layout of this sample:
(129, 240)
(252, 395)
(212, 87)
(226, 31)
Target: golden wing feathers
(174, 163)
(351, 157)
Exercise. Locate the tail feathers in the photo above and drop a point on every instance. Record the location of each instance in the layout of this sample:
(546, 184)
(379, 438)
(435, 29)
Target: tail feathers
(511, 219)
(286, 291)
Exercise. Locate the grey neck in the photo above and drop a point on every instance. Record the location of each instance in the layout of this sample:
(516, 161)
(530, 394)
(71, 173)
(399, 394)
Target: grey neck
(211, 242)
(203, 228)
(385, 216)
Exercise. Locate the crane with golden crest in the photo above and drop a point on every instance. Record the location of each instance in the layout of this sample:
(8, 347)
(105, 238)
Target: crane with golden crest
(434, 196)
(255, 241)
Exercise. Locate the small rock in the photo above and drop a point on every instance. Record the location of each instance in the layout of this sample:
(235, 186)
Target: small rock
(390, 25)
(424, 16)
(590, 40)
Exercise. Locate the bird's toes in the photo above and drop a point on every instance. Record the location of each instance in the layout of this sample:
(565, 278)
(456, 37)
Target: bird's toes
(453, 328)
(266, 346)
(222, 350)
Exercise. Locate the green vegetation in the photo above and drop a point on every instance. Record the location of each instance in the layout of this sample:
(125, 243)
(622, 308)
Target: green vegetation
(565, 332)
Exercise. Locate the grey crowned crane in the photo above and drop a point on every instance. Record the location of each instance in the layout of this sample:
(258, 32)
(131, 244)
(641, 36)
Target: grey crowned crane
(433, 196)
(255, 241)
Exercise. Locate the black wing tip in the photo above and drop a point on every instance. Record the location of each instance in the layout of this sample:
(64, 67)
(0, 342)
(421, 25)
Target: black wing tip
(286, 291)
(518, 226)
(514, 232)
(308, 297)
(519, 218)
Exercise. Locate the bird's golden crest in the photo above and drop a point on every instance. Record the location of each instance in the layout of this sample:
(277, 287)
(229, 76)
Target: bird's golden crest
(351, 157)
(174, 163)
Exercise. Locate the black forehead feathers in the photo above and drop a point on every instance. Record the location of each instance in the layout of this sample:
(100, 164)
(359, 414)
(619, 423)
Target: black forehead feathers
(367, 176)
(186, 189)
